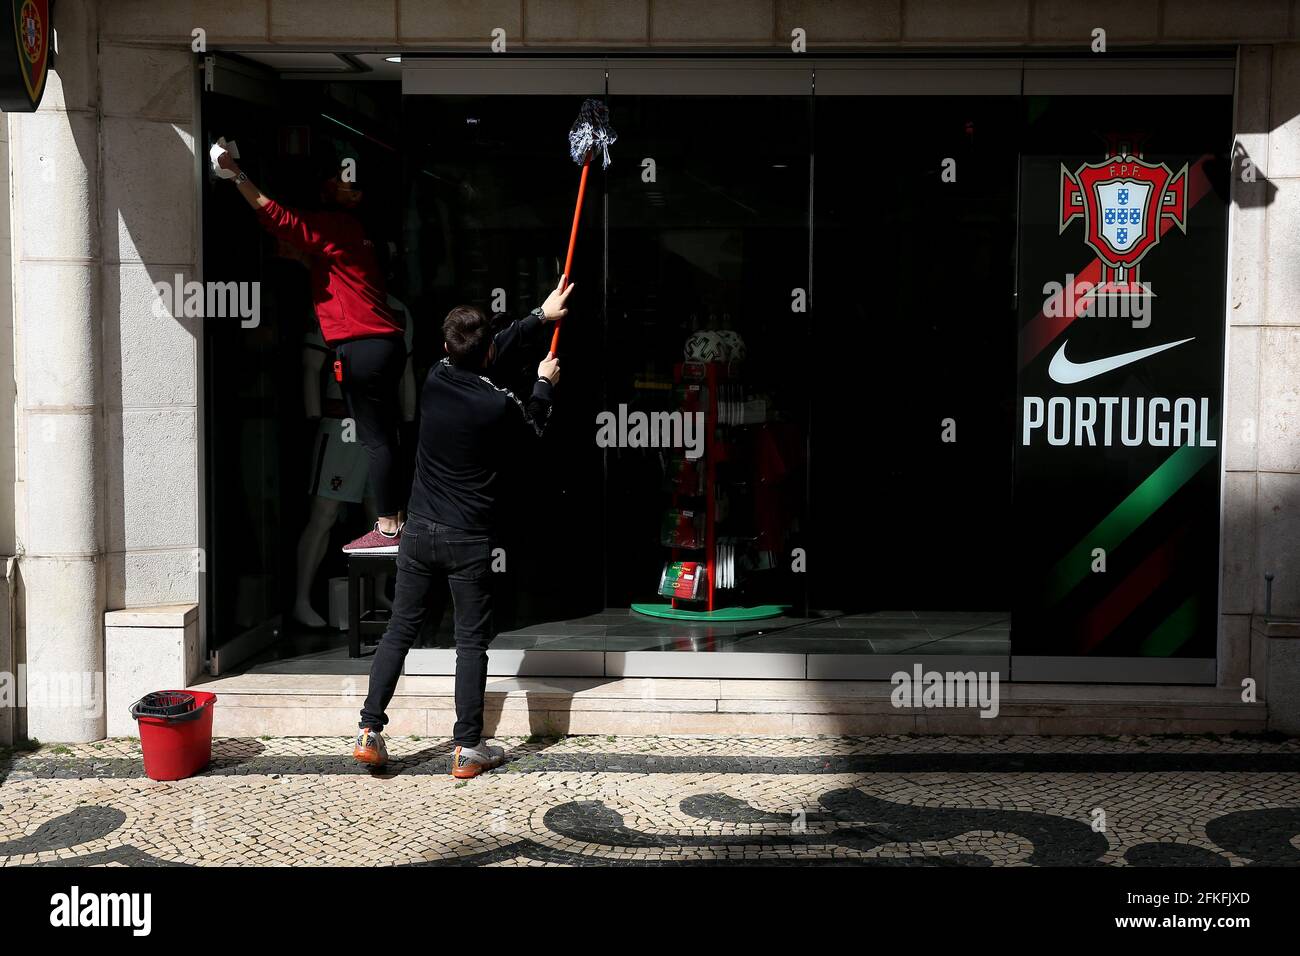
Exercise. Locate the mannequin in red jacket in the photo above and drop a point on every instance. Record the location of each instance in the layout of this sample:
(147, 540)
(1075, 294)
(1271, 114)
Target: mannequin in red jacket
(366, 335)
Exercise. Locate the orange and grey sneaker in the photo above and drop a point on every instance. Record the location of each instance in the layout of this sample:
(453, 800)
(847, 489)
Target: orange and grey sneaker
(469, 762)
(370, 748)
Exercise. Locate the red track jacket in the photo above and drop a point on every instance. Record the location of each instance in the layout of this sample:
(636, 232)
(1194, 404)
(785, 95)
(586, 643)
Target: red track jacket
(346, 283)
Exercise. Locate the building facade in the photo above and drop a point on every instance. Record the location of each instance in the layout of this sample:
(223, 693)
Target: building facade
(115, 495)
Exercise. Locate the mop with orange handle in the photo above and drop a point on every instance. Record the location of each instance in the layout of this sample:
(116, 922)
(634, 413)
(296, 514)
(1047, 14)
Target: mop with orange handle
(591, 131)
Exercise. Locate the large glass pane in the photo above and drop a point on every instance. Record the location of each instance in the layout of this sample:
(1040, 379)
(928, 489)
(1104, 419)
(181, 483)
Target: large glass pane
(246, 397)
(489, 193)
(275, 527)
(708, 278)
(913, 393)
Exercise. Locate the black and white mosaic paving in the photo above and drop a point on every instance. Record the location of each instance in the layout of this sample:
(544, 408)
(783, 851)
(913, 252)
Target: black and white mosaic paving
(879, 801)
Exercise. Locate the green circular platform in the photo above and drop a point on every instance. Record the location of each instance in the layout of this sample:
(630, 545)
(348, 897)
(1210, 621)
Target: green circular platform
(757, 613)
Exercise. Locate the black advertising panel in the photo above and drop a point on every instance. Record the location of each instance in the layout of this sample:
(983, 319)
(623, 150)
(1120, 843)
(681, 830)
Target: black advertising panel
(1122, 271)
(26, 42)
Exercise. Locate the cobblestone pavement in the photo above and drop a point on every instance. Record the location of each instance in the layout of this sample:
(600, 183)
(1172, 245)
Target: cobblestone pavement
(884, 801)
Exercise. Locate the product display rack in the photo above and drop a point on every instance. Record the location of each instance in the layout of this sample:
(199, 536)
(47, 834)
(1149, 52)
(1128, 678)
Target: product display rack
(709, 375)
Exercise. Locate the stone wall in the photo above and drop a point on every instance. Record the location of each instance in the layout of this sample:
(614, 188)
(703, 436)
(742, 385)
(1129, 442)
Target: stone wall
(149, 210)
(107, 453)
(54, 165)
(8, 433)
(721, 23)
(1261, 505)
(8, 447)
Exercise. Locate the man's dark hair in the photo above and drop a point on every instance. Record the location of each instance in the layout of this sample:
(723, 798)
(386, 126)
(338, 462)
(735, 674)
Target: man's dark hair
(468, 334)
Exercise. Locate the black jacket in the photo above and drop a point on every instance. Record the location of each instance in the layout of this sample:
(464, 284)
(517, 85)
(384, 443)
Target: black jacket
(471, 431)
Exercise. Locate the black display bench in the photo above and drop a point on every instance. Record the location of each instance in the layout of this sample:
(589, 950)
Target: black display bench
(374, 621)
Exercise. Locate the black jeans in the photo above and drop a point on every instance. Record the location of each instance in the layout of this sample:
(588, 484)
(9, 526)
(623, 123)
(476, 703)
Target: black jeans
(372, 373)
(430, 557)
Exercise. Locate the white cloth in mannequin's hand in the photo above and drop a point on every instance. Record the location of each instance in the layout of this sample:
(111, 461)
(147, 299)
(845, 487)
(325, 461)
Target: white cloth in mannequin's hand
(214, 154)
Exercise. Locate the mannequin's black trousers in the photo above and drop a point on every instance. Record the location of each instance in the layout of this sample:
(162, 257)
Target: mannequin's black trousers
(372, 373)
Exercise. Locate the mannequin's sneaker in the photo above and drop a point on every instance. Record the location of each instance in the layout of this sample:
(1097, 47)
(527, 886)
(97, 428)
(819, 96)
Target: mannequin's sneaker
(469, 762)
(375, 542)
(370, 748)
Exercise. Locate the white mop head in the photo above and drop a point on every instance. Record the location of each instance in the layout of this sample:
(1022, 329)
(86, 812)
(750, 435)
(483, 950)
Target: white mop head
(591, 131)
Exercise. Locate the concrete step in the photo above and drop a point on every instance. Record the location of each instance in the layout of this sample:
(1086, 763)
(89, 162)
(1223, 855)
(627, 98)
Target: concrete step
(315, 705)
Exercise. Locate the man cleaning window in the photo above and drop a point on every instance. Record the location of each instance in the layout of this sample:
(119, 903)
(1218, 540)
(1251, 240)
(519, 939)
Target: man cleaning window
(471, 431)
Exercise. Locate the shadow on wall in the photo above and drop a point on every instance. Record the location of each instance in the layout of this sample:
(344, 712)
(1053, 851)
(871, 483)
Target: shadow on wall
(550, 710)
(548, 715)
(1271, 515)
(1255, 192)
(151, 501)
(1277, 546)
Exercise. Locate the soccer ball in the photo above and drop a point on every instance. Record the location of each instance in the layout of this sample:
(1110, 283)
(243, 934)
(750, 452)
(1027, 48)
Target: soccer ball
(705, 347)
(735, 345)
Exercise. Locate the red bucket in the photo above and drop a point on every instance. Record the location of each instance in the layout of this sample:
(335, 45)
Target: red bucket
(177, 743)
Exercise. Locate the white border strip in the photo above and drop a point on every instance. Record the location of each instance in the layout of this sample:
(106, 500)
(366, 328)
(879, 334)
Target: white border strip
(1154, 77)
(449, 76)
(441, 661)
(885, 666)
(690, 76)
(706, 664)
(1001, 77)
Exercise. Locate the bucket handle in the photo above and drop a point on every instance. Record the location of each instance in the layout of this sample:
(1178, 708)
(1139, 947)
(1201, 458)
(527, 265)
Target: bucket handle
(191, 714)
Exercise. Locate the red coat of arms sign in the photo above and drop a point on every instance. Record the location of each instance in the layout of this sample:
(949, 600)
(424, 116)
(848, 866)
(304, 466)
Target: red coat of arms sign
(25, 55)
(1123, 201)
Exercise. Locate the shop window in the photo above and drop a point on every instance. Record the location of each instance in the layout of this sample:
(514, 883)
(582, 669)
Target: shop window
(914, 332)
(848, 288)
(708, 316)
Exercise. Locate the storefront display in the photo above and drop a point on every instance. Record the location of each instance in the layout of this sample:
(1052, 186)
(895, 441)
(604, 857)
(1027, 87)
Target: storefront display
(716, 502)
(863, 392)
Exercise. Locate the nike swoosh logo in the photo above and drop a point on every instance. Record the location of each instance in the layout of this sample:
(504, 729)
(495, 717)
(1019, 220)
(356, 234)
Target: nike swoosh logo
(1065, 372)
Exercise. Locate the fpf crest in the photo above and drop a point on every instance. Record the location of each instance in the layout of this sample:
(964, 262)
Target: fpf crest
(1124, 202)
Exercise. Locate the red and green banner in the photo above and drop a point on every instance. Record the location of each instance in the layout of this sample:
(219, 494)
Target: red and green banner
(1122, 273)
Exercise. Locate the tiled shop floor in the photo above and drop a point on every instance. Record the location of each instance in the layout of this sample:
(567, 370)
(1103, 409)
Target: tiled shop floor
(885, 801)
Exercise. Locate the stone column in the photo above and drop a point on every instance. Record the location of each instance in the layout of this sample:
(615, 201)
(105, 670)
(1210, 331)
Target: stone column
(55, 169)
(1278, 505)
(9, 725)
(150, 358)
(1248, 215)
